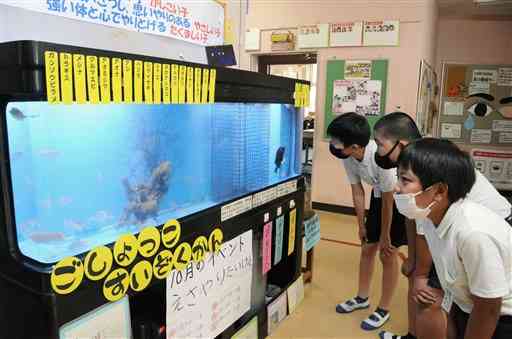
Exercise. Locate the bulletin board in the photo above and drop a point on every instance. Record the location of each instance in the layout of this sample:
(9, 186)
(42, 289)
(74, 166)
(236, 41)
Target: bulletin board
(375, 76)
(476, 105)
(476, 112)
(426, 107)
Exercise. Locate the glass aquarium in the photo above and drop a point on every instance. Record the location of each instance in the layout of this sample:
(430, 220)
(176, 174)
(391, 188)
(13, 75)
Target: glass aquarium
(84, 174)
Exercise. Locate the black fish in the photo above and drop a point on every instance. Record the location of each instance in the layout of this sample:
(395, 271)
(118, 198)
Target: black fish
(19, 115)
(279, 158)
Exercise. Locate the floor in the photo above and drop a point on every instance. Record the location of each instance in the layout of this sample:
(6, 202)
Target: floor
(334, 280)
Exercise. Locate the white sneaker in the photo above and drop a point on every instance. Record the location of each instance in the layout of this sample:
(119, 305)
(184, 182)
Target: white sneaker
(352, 305)
(374, 321)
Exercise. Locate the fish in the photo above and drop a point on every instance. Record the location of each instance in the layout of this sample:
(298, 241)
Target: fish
(279, 158)
(45, 237)
(65, 201)
(17, 114)
(76, 225)
(49, 153)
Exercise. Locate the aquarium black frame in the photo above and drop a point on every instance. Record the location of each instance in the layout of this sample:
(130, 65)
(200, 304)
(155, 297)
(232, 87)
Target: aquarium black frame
(24, 280)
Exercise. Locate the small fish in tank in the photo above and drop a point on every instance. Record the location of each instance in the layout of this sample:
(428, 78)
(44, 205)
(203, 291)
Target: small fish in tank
(17, 114)
(279, 158)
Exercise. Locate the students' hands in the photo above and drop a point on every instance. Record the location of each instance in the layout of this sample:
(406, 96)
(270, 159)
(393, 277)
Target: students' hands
(362, 234)
(422, 293)
(385, 246)
(407, 267)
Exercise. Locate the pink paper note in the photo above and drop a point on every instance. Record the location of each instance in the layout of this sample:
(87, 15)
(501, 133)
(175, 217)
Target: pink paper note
(267, 247)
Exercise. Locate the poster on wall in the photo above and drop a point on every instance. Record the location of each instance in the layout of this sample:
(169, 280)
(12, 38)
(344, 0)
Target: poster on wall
(381, 33)
(358, 70)
(495, 165)
(359, 96)
(109, 321)
(204, 299)
(426, 107)
(313, 36)
(346, 34)
(197, 22)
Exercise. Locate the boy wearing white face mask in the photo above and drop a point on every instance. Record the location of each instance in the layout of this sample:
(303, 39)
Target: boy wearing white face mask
(471, 245)
(383, 228)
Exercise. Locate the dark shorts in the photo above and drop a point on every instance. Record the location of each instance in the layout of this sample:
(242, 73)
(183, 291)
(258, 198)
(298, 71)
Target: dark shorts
(460, 318)
(433, 279)
(398, 233)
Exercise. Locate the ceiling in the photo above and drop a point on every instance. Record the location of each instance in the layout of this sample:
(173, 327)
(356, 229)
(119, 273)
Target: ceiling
(468, 9)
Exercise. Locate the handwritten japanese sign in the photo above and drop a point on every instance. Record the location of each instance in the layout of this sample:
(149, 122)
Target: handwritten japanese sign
(197, 22)
(267, 248)
(206, 298)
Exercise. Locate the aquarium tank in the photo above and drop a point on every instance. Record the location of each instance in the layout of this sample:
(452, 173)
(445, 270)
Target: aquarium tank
(82, 175)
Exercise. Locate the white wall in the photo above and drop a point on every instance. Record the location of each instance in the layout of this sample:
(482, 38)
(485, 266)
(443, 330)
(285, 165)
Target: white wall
(20, 24)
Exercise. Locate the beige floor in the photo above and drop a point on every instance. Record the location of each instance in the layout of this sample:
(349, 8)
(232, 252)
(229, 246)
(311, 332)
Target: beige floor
(335, 279)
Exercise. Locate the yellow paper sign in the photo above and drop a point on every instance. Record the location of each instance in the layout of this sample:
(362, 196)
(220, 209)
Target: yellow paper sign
(297, 94)
(190, 85)
(213, 77)
(105, 80)
(148, 82)
(128, 81)
(67, 275)
(79, 71)
(117, 80)
(66, 77)
(98, 263)
(183, 84)
(306, 95)
(116, 284)
(204, 91)
(166, 83)
(199, 248)
(157, 83)
(215, 240)
(93, 86)
(291, 237)
(126, 249)
(141, 275)
(149, 242)
(182, 256)
(51, 65)
(171, 232)
(197, 85)
(162, 265)
(175, 83)
(137, 80)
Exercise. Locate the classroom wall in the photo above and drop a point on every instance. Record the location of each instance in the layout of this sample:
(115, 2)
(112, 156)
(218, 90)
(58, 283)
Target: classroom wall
(417, 41)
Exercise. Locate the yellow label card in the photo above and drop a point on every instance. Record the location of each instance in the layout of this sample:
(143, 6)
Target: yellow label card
(183, 83)
(117, 80)
(66, 77)
(128, 81)
(157, 83)
(137, 76)
(51, 65)
(93, 86)
(197, 85)
(79, 72)
(190, 85)
(166, 83)
(148, 82)
(105, 80)
(204, 90)
(175, 84)
(213, 77)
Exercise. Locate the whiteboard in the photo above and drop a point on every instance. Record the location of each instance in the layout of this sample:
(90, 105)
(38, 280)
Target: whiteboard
(21, 24)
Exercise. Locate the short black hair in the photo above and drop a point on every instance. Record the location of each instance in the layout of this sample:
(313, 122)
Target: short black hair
(398, 126)
(351, 129)
(440, 161)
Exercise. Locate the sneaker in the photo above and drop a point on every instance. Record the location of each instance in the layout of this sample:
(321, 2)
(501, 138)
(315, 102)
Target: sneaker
(375, 320)
(352, 305)
(389, 335)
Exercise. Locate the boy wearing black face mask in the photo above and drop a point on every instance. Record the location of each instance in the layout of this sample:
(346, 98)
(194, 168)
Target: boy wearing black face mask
(470, 244)
(393, 133)
(384, 227)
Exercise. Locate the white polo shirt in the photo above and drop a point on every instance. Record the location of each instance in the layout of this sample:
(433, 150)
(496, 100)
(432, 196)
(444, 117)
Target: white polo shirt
(472, 251)
(369, 172)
